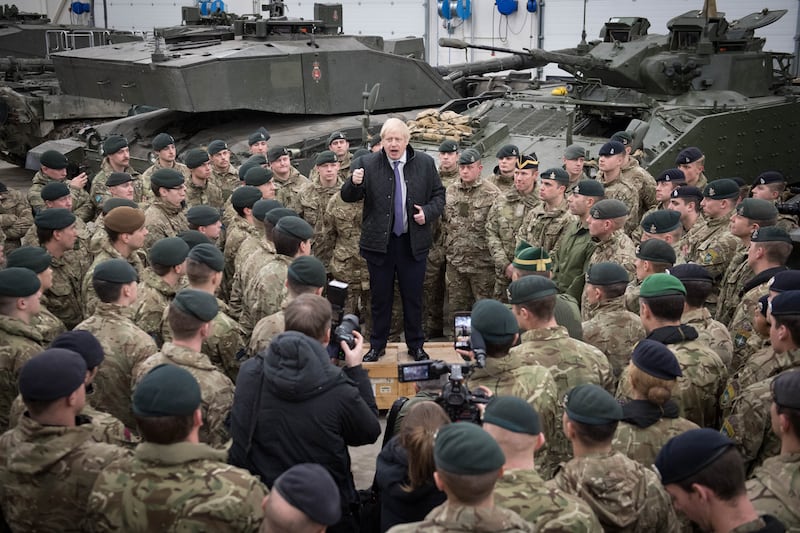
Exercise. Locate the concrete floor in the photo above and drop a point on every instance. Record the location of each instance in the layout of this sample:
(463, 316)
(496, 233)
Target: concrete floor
(363, 460)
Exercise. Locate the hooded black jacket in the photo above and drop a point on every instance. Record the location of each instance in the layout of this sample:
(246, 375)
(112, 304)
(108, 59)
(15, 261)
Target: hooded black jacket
(292, 406)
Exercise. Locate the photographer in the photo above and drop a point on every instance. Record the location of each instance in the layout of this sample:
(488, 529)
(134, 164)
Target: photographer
(293, 406)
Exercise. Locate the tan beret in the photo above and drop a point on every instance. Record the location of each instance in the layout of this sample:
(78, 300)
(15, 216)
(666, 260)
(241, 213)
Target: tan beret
(124, 219)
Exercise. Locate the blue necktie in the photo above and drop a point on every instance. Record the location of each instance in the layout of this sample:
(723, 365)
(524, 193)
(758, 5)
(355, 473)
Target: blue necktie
(399, 208)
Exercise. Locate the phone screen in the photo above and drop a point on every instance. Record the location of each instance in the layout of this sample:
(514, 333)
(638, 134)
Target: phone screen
(413, 372)
(463, 329)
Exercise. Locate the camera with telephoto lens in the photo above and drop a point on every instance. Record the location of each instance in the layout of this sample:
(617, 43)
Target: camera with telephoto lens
(342, 325)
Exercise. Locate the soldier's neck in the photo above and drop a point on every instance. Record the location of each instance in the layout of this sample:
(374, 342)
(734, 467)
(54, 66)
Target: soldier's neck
(123, 249)
(580, 449)
(205, 287)
(519, 462)
(57, 416)
(790, 445)
(166, 164)
(194, 344)
(729, 515)
(54, 249)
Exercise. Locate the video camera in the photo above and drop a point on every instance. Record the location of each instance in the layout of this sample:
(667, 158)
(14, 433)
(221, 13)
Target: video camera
(342, 325)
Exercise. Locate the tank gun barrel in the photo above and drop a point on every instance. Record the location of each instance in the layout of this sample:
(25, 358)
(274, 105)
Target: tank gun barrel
(536, 57)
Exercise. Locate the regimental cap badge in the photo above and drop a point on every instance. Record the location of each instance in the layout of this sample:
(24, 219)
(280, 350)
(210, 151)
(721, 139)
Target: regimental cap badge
(675, 193)
(754, 235)
(508, 294)
(653, 228)
(552, 175)
(639, 246)
(771, 281)
(711, 192)
(577, 190)
(762, 181)
(595, 212)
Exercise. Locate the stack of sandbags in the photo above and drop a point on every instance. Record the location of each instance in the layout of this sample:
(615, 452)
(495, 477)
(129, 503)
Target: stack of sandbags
(435, 127)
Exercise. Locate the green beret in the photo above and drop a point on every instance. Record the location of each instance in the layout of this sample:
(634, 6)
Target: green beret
(558, 175)
(721, 189)
(533, 259)
(54, 373)
(770, 234)
(448, 147)
(296, 227)
(307, 270)
(494, 321)
(258, 175)
(215, 147)
(161, 141)
(325, 157)
(53, 159)
(118, 178)
(54, 218)
(785, 303)
(192, 237)
(202, 215)
(609, 208)
(258, 136)
(530, 288)
(245, 196)
(209, 255)
(169, 251)
(263, 207)
(690, 452)
(30, 257)
(335, 136)
(18, 282)
(591, 188)
(508, 150)
(512, 414)
(167, 178)
(469, 156)
(464, 448)
(276, 152)
(592, 405)
(115, 271)
(757, 209)
(661, 285)
(114, 144)
(124, 219)
(655, 359)
(54, 190)
(656, 250)
(167, 390)
(622, 137)
(602, 274)
(200, 304)
(786, 389)
(195, 158)
(574, 151)
(113, 203)
(661, 221)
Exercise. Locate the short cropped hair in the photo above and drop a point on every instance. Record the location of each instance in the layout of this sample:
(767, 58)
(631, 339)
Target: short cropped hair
(309, 314)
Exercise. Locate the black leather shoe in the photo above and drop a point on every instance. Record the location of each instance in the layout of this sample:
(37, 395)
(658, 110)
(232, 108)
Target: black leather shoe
(373, 355)
(419, 354)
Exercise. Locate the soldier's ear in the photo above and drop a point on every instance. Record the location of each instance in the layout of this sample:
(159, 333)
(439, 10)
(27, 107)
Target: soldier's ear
(438, 481)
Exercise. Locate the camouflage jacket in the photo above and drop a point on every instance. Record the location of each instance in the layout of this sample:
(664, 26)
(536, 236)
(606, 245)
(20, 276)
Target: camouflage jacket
(449, 518)
(786, 222)
(210, 194)
(774, 489)
(646, 428)
(575, 248)
(266, 329)
(502, 224)
(175, 487)
(81, 201)
(465, 214)
(255, 252)
(147, 190)
(764, 364)
(64, 297)
(235, 234)
(448, 177)
(83, 244)
(642, 181)
(713, 333)
(216, 388)
(615, 331)
(18, 343)
(47, 473)
(99, 190)
(341, 229)
(683, 246)
(617, 249)
(542, 227)
(730, 289)
(153, 297)
(226, 181)
(125, 346)
(108, 251)
(314, 199)
(48, 325)
(713, 247)
(504, 183)
(624, 495)
(288, 192)
(265, 292)
(626, 192)
(16, 217)
(163, 220)
(548, 508)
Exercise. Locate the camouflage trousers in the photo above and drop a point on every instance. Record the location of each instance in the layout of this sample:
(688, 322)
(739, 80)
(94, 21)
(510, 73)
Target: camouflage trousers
(464, 289)
(433, 294)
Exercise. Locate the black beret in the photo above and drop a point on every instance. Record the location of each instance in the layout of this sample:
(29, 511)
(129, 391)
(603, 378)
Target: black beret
(591, 188)
(209, 255)
(622, 137)
(114, 144)
(295, 226)
(276, 152)
(558, 175)
(54, 190)
(786, 389)
(672, 175)
(740, 182)
(756, 209)
(361, 152)
(612, 148)
(508, 150)
(464, 448)
(530, 288)
(469, 156)
(84, 343)
(721, 189)
(30, 257)
(162, 140)
(167, 390)
(114, 202)
(786, 303)
(215, 147)
(688, 155)
(192, 237)
(603, 274)
(124, 219)
(118, 178)
(202, 215)
(307, 270)
(661, 284)
(252, 162)
(691, 272)
(195, 158)
(689, 453)
(375, 140)
(512, 414)
(18, 282)
(787, 280)
(574, 151)
(593, 405)
(53, 159)
(656, 250)
(167, 178)
(169, 251)
(609, 208)
(200, 304)
(532, 258)
(245, 196)
(335, 136)
(258, 136)
(448, 147)
(688, 191)
(656, 359)
(661, 221)
(257, 175)
(494, 321)
(527, 162)
(54, 373)
(770, 176)
(770, 234)
(263, 207)
(310, 488)
(763, 305)
(325, 157)
(115, 271)
(54, 218)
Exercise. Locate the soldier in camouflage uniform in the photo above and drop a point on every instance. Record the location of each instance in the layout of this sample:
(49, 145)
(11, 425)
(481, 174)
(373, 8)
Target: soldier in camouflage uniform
(160, 281)
(164, 148)
(505, 219)
(124, 343)
(165, 216)
(516, 427)
(15, 216)
(546, 222)
(686, 201)
(49, 462)
(38, 260)
(201, 189)
(465, 456)
(314, 198)
(641, 180)
(57, 195)
(691, 162)
(241, 226)
(19, 340)
(573, 160)
(172, 482)
(666, 182)
(117, 159)
(288, 179)
(339, 145)
(54, 169)
(770, 186)
(613, 329)
(653, 256)
(623, 494)
(774, 487)
(223, 174)
(190, 319)
(611, 158)
(503, 174)
(470, 269)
